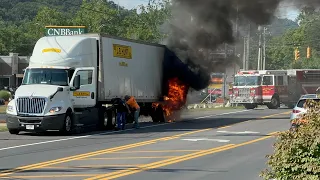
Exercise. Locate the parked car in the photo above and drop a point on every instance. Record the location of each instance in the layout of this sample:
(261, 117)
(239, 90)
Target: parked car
(299, 108)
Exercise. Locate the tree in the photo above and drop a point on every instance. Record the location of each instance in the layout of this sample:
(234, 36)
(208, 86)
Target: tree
(297, 153)
(98, 16)
(146, 25)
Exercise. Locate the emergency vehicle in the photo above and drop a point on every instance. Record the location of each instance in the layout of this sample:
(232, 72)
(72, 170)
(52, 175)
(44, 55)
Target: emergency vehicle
(272, 87)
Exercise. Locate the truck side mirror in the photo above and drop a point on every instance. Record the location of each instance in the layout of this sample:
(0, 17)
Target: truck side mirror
(77, 82)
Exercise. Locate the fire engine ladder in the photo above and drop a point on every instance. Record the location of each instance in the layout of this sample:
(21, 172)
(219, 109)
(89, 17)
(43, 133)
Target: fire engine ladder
(208, 96)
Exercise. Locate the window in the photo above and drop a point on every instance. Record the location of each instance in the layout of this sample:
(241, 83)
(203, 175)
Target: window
(280, 80)
(267, 80)
(303, 101)
(85, 77)
(46, 76)
(247, 80)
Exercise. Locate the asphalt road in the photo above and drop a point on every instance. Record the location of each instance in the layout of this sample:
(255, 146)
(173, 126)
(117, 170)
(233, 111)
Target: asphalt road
(220, 144)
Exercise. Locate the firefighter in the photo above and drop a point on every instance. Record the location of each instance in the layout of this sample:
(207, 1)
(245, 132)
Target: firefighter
(132, 103)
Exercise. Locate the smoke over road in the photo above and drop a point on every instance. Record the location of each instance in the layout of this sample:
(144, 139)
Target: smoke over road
(200, 26)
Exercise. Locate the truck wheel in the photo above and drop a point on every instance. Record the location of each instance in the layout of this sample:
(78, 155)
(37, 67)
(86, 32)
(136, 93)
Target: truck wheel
(102, 118)
(67, 125)
(274, 104)
(249, 106)
(111, 119)
(14, 131)
(158, 115)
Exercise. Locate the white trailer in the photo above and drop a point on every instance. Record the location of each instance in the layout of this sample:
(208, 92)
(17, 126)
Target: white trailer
(71, 79)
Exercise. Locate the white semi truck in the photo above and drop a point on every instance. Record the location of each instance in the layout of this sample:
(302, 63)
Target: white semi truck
(71, 80)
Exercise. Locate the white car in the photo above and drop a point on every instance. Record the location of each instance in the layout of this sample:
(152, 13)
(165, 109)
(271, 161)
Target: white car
(299, 109)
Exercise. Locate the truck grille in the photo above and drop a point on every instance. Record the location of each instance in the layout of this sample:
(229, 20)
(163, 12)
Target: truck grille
(244, 92)
(31, 106)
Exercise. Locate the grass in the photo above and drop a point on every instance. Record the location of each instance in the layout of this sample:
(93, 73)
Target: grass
(3, 128)
(3, 109)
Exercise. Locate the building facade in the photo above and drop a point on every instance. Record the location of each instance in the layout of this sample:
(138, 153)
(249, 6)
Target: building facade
(9, 65)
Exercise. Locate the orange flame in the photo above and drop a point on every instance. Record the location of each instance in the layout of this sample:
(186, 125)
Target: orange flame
(177, 96)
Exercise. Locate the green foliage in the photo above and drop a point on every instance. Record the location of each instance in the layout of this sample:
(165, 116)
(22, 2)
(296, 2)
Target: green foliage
(5, 95)
(297, 153)
(22, 23)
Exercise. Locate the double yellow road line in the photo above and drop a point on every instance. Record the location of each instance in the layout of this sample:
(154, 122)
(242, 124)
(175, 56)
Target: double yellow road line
(91, 154)
(129, 146)
(174, 160)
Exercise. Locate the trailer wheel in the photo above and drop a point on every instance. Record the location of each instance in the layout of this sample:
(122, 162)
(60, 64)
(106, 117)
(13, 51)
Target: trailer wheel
(158, 115)
(274, 104)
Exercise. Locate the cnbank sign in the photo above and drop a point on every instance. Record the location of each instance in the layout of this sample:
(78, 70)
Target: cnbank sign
(64, 30)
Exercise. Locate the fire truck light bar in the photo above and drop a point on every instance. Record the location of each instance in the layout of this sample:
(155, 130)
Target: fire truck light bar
(248, 72)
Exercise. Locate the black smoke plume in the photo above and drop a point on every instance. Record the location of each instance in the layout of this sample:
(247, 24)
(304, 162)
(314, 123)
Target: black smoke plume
(199, 27)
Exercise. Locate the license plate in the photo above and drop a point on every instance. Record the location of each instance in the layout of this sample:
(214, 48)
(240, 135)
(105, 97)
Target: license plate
(31, 127)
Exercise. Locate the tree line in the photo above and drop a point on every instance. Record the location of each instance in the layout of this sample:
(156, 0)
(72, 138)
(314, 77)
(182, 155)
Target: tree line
(22, 23)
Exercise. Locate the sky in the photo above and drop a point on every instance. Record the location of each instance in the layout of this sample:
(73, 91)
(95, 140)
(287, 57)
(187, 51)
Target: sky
(129, 4)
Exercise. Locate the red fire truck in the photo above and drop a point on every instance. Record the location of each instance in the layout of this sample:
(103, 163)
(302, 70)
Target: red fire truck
(272, 87)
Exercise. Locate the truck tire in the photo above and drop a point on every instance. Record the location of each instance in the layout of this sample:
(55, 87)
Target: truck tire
(67, 125)
(111, 121)
(14, 131)
(249, 106)
(274, 104)
(102, 118)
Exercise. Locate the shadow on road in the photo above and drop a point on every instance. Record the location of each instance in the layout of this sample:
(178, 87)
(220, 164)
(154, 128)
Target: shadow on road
(187, 124)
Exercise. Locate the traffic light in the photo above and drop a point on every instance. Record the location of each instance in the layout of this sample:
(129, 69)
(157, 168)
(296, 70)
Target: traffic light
(296, 54)
(308, 52)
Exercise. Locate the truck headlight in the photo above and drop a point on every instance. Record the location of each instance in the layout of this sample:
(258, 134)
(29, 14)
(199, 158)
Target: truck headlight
(9, 108)
(55, 109)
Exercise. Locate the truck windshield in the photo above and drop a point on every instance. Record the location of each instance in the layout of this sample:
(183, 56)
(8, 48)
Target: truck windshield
(247, 80)
(46, 76)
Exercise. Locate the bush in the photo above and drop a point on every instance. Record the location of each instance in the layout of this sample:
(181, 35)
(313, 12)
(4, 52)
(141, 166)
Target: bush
(297, 153)
(5, 95)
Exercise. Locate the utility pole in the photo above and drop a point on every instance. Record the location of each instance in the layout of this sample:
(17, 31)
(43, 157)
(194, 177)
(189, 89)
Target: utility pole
(259, 53)
(264, 48)
(248, 47)
(244, 53)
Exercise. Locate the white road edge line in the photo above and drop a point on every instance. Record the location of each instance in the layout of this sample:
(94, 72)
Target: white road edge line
(112, 132)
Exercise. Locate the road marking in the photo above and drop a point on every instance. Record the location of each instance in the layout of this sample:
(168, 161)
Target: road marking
(142, 168)
(284, 113)
(202, 117)
(166, 162)
(105, 133)
(136, 157)
(154, 151)
(92, 166)
(235, 132)
(206, 139)
(95, 153)
(49, 176)
(223, 127)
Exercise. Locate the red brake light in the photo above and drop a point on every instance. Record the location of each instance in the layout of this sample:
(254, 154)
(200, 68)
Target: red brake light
(295, 111)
